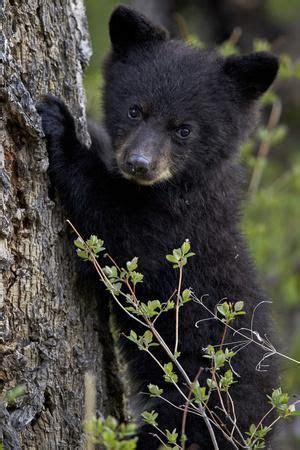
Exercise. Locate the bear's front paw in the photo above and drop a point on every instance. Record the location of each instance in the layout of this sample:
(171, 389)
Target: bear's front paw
(57, 121)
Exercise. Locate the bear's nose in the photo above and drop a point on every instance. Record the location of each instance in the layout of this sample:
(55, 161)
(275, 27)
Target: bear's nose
(137, 165)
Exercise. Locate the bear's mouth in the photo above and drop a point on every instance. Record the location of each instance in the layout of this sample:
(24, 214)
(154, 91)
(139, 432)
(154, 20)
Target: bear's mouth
(148, 180)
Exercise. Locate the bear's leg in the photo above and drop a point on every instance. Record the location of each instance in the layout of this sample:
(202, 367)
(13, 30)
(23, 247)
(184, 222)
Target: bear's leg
(74, 169)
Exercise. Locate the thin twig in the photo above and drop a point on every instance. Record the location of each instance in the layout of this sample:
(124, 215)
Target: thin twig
(159, 314)
(250, 340)
(222, 427)
(223, 337)
(235, 35)
(158, 437)
(177, 311)
(186, 406)
(106, 280)
(264, 149)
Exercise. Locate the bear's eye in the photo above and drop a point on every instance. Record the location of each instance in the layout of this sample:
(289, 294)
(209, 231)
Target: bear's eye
(134, 112)
(183, 131)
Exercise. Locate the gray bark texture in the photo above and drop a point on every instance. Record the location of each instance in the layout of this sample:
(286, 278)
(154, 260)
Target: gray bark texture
(51, 332)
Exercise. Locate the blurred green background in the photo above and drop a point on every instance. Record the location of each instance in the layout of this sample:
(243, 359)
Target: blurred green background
(272, 156)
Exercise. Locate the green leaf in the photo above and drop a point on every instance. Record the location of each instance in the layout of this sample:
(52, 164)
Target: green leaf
(111, 272)
(136, 277)
(150, 418)
(177, 254)
(170, 376)
(227, 48)
(172, 436)
(280, 400)
(132, 309)
(171, 258)
(226, 380)
(220, 357)
(199, 393)
(132, 265)
(83, 255)
(211, 384)
(114, 288)
(148, 337)
(269, 98)
(111, 435)
(193, 41)
(238, 306)
(80, 244)
(264, 134)
(261, 45)
(188, 255)
(95, 244)
(154, 390)
(185, 248)
(223, 309)
(152, 308)
(278, 134)
(169, 305)
(133, 336)
(186, 296)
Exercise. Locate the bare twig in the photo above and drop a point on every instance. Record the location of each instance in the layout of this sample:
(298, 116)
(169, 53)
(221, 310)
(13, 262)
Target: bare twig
(264, 150)
(260, 342)
(235, 35)
(177, 311)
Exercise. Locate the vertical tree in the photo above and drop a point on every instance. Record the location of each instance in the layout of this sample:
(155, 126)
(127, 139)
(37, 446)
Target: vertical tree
(51, 330)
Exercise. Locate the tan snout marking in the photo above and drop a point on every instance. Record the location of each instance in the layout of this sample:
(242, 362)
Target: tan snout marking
(162, 172)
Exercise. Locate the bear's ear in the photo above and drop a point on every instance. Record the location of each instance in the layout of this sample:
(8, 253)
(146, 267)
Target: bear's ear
(253, 73)
(128, 28)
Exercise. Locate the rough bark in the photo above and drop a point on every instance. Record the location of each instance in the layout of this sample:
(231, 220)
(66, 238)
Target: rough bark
(51, 332)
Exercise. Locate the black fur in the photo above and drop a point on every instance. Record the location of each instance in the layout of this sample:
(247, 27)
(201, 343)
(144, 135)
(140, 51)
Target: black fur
(175, 84)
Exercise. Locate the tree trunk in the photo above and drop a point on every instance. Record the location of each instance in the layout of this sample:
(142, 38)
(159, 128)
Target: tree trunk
(51, 332)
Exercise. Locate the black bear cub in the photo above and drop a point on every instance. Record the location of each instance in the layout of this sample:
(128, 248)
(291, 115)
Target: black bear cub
(166, 170)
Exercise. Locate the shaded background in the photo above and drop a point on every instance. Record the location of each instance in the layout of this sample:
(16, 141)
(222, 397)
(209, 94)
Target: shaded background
(272, 156)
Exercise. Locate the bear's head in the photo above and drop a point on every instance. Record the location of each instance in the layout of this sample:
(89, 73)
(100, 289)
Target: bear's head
(173, 110)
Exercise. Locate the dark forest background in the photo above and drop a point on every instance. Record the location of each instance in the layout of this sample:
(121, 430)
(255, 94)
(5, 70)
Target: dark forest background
(272, 156)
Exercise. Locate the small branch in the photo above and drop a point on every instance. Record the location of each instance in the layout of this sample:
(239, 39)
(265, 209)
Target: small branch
(159, 314)
(106, 280)
(223, 337)
(250, 340)
(182, 26)
(161, 366)
(177, 311)
(261, 421)
(221, 426)
(186, 407)
(264, 150)
(235, 35)
(158, 437)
